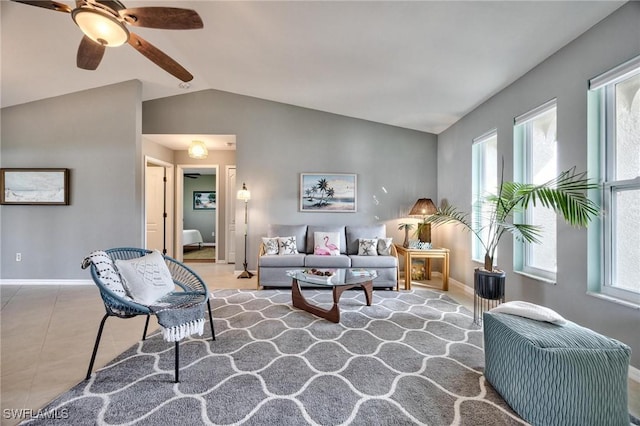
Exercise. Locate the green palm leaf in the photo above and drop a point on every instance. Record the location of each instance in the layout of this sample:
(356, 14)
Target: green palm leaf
(566, 194)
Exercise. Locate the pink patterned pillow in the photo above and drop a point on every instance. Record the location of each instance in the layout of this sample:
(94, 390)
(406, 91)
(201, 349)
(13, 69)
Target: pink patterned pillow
(326, 243)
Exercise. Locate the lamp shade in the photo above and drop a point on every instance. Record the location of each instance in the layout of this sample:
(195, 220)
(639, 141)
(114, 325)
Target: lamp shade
(244, 193)
(423, 207)
(198, 150)
(100, 27)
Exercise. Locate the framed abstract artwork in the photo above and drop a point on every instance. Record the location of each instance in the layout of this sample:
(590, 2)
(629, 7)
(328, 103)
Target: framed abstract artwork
(328, 192)
(204, 200)
(34, 186)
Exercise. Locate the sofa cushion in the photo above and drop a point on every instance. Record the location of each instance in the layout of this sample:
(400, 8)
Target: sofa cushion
(270, 245)
(312, 229)
(340, 261)
(367, 247)
(299, 231)
(275, 261)
(326, 243)
(287, 245)
(354, 233)
(384, 246)
(373, 261)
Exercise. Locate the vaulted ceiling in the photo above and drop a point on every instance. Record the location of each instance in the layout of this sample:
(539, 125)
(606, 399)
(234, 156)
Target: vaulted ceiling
(418, 65)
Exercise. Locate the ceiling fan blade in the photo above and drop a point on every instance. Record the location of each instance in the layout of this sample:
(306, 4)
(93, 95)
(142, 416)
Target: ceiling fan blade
(90, 54)
(158, 57)
(167, 18)
(51, 5)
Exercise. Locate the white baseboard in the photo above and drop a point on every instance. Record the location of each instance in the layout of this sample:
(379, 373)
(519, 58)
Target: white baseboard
(461, 286)
(45, 282)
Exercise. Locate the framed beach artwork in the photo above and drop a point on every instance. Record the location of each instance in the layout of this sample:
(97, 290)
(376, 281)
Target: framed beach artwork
(34, 186)
(328, 192)
(204, 200)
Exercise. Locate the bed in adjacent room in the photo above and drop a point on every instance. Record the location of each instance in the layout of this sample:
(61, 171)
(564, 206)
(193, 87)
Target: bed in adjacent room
(190, 237)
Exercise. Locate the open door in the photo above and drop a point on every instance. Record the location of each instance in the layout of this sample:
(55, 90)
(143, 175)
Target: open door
(159, 206)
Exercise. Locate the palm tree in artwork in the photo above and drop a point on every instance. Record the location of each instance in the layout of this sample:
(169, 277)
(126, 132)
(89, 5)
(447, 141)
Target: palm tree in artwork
(322, 186)
(331, 192)
(309, 193)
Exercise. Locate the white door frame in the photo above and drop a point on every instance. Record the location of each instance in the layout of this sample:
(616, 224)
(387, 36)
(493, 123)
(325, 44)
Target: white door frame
(170, 193)
(180, 205)
(230, 217)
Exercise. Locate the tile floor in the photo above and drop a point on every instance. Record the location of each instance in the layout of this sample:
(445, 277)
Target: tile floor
(47, 334)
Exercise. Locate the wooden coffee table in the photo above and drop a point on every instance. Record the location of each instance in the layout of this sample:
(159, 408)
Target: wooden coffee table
(342, 279)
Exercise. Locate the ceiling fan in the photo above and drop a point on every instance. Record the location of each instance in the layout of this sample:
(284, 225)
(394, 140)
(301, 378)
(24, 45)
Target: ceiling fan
(192, 175)
(104, 23)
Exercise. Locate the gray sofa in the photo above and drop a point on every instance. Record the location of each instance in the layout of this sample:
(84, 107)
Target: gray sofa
(272, 268)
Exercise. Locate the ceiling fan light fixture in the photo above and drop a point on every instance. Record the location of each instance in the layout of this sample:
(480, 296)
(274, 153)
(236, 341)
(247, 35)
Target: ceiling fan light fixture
(198, 150)
(100, 26)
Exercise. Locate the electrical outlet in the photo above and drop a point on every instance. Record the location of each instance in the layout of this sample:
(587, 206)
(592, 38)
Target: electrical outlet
(18, 257)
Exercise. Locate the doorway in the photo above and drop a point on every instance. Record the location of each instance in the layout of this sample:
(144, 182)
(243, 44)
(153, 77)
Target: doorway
(198, 211)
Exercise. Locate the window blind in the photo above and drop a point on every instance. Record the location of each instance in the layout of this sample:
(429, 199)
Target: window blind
(485, 136)
(528, 116)
(616, 74)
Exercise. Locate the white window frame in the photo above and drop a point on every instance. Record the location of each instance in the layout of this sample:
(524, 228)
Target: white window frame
(603, 86)
(479, 186)
(523, 157)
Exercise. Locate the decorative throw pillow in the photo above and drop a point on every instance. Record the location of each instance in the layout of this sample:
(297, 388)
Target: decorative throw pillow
(530, 310)
(287, 245)
(384, 246)
(326, 243)
(107, 272)
(368, 247)
(146, 278)
(270, 245)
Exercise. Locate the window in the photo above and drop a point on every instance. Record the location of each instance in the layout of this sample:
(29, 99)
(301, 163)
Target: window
(485, 180)
(615, 106)
(535, 162)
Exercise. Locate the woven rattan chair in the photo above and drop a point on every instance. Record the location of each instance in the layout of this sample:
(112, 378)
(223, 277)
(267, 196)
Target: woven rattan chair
(186, 279)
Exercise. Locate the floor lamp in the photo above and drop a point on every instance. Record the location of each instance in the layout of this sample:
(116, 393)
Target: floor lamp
(245, 196)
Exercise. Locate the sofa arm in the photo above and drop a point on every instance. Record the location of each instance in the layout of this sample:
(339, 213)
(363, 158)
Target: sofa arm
(261, 252)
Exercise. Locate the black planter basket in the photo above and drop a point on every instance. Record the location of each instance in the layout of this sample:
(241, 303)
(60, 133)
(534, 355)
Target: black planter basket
(489, 292)
(489, 285)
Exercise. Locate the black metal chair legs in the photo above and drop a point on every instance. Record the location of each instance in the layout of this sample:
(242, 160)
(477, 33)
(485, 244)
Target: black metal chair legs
(213, 333)
(144, 337)
(146, 326)
(95, 346)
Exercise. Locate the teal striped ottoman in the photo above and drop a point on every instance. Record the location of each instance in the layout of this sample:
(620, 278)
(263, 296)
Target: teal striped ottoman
(556, 375)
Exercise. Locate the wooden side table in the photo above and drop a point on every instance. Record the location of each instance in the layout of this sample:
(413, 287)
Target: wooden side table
(409, 254)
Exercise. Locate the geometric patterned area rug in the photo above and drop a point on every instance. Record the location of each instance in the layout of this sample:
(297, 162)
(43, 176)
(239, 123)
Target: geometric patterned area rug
(413, 357)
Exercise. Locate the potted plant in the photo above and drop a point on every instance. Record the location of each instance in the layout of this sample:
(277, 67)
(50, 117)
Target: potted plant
(407, 227)
(565, 194)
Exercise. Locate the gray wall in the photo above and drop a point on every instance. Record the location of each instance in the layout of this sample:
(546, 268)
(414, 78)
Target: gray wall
(202, 220)
(563, 76)
(276, 142)
(96, 134)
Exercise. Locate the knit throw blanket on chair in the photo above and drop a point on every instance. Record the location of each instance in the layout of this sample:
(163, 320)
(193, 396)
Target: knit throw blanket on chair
(180, 315)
